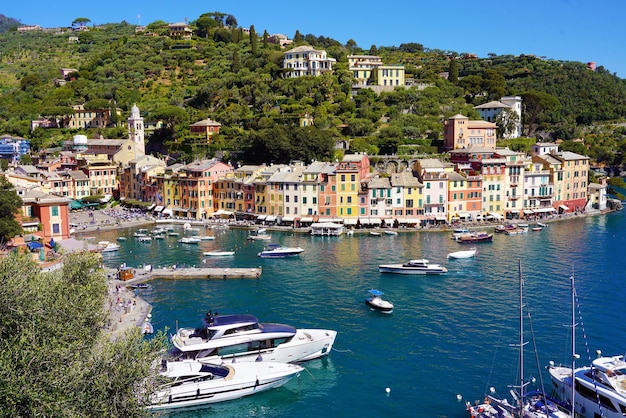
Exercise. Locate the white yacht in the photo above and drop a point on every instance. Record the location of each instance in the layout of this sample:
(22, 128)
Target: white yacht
(193, 384)
(600, 389)
(419, 266)
(278, 251)
(244, 338)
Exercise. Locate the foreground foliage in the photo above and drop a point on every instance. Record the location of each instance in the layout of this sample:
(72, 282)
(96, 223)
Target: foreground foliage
(55, 359)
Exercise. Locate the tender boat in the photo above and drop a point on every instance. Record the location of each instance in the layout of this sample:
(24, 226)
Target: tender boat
(375, 302)
(194, 384)
(375, 233)
(144, 239)
(244, 338)
(278, 251)
(218, 253)
(106, 246)
(542, 224)
(463, 254)
(475, 237)
(391, 233)
(516, 231)
(122, 238)
(207, 238)
(420, 266)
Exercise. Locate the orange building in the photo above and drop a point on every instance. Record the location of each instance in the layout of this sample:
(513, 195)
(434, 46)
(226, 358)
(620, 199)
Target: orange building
(460, 132)
(48, 214)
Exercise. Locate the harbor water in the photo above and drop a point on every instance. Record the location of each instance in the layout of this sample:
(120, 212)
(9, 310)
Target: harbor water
(448, 338)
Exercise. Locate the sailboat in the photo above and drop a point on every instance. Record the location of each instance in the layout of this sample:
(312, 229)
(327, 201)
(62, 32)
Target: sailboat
(600, 389)
(531, 404)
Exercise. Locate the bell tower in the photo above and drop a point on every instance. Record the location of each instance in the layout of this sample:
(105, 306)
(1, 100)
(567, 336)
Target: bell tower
(136, 131)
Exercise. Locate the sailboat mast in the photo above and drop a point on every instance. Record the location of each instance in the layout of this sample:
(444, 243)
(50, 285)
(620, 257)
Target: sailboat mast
(573, 343)
(521, 336)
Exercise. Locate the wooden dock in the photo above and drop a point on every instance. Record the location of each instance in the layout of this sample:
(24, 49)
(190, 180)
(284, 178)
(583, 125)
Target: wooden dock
(195, 273)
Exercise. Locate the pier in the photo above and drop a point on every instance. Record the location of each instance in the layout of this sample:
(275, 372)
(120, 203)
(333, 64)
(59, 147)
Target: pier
(142, 276)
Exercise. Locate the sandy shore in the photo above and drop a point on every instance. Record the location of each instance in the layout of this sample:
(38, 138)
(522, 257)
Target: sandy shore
(126, 309)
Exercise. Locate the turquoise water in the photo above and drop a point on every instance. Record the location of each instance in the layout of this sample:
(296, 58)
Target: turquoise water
(448, 335)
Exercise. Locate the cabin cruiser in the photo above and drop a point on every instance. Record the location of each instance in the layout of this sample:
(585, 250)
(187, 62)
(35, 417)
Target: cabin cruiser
(193, 384)
(244, 338)
(278, 251)
(106, 246)
(420, 266)
(600, 389)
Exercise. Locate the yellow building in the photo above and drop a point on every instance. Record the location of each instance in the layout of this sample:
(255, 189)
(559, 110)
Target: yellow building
(389, 76)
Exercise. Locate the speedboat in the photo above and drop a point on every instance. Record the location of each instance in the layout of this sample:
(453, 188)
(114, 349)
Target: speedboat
(375, 302)
(218, 253)
(387, 232)
(420, 266)
(193, 384)
(244, 338)
(278, 251)
(106, 246)
(463, 254)
(207, 238)
(261, 237)
(456, 234)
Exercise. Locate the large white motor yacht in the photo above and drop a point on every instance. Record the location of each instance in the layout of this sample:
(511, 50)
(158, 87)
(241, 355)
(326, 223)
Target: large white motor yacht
(420, 266)
(244, 338)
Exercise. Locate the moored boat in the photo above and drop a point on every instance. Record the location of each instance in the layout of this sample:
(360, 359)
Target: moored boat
(193, 384)
(278, 251)
(189, 240)
(463, 254)
(475, 237)
(106, 246)
(218, 253)
(419, 266)
(375, 302)
(244, 338)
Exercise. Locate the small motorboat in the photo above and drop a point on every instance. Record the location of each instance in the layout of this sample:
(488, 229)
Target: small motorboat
(107, 247)
(391, 233)
(139, 286)
(375, 233)
(262, 237)
(278, 251)
(542, 224)
(207, 238)
(537, 228)
(375, 302)
(463, 254)
(144, 239)
(147, 327)
(218, 253)
(122, 238)
(420, 266)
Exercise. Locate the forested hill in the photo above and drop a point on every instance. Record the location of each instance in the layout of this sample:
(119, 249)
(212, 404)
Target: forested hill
(236, 79)
(7, 23)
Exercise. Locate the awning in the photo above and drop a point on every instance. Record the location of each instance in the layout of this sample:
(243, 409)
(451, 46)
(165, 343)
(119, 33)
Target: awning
(563, 207)
(463, 215)
(304, 219)
(75, 204)
(261, 217)
(167, 211)
(34, 245)
(152, 206)
(270, 218)
(543, 210)
(409, 220)
(514, 211)
(350, 221)
(287, 219)
(106, 198)
(373, 221)
(158, 208)
(495, 215)
(223, 212)
(528, 211)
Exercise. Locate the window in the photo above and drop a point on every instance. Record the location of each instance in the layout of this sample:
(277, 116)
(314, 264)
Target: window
(55, 211)
(56, 228)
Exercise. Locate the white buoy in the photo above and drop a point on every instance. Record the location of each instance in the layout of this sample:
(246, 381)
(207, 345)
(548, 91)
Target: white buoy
(459, 397)
(387, 390)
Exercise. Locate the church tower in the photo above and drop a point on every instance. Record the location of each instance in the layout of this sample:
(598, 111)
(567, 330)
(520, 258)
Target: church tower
(136, 131)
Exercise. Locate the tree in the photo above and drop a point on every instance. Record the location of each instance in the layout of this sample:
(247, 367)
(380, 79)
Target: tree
(204, 24)
(254, 40)
(171, 116)
(506, 120)
(80, 21)
(297, 38)
(537, 102)
(373, 50)
(55, 358)
(10, 203)
(230, 21)
(453, 71)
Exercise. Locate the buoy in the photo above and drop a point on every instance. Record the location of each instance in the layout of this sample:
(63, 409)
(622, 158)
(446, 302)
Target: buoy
(459, 397)
(387, 390)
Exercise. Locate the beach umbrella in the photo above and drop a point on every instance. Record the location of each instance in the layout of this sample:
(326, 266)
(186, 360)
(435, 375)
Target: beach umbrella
(34, 245)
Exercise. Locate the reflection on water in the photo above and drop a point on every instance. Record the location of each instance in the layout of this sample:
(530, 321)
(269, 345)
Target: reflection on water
(448, 334)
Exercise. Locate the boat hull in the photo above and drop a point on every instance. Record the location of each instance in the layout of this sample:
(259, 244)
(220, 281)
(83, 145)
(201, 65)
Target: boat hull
(246, 380)
(380, 305)
(462, 254)
(400, 269)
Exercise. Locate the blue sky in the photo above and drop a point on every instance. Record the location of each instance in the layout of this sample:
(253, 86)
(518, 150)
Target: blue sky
(571, 30)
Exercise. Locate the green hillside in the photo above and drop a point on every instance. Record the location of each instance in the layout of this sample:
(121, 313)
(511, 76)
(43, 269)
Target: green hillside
(236, 79)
